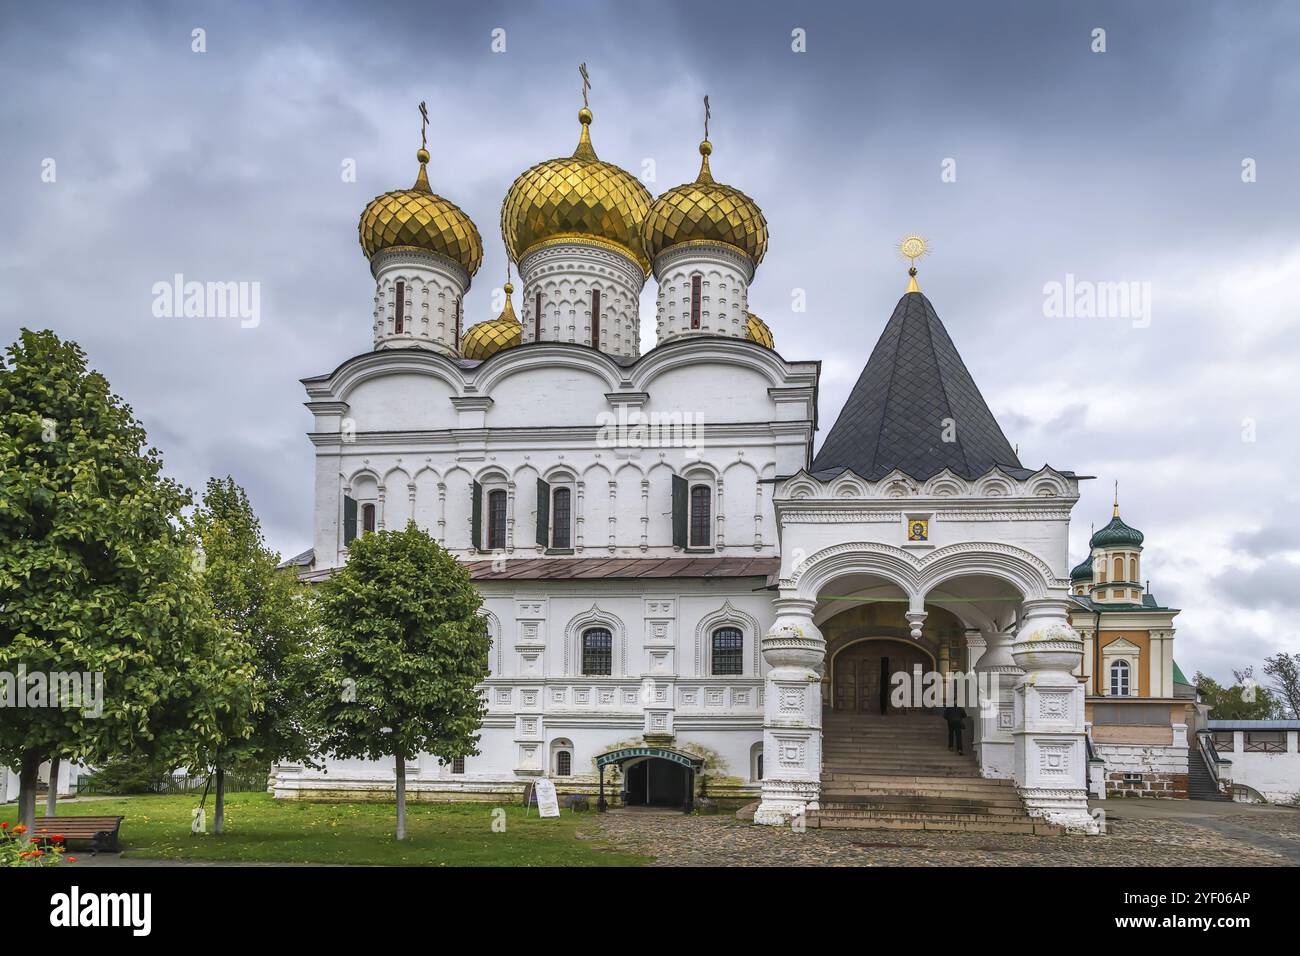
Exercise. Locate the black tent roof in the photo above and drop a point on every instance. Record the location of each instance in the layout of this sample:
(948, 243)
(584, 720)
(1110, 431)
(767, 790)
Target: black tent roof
(913, 385)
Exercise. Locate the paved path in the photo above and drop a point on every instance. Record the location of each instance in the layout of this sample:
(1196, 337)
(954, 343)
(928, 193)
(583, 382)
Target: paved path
(1143, 833)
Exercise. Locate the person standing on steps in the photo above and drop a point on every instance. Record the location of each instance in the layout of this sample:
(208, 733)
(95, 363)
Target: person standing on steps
(956, 718)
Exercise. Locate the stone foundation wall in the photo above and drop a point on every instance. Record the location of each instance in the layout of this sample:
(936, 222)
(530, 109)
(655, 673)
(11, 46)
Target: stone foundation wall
(1161, 771)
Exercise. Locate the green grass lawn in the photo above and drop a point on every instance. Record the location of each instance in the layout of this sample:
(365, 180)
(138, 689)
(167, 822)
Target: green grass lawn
(261, 829)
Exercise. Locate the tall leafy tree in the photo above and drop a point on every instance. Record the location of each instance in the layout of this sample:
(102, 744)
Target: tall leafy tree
(97, 572)
(269, 611)
(1245, 700)
(1284, 668)
(404, 650)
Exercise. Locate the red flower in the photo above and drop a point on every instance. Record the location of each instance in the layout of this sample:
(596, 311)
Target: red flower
(56, 839)
(4, 826)
(20, 829)
(72, 859)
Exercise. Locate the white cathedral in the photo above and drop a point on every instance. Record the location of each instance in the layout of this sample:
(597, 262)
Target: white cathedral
(683, 599)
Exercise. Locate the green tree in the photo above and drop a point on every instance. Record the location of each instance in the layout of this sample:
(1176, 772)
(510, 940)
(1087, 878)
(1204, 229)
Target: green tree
(270, 612)
(404, 653)
(1245, 700)
(1285, 670)
(97, 573)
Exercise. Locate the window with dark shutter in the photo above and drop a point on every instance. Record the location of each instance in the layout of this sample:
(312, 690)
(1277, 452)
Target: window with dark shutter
(399, 316)
(680, 495)
(349, 520)
(368, 518)
(560, 521)
(496, 520)
(728, 652)
(701, 517)
(597, 652)
(595, 318)
(476, 517)
(696, 283)
(543, 513)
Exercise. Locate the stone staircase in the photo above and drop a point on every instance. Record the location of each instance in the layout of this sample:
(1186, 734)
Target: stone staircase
(1201, 784)
(896, 773)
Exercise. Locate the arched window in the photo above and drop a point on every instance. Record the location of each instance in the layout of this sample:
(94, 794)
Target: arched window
(561, 518)
(701, 517)
(537, 319)
(728, 652)
(456, 307)
(496, 520)
(399, 316)
(597, 652)
(760, 767)
(1119, 569)
(696, 284)
(367, 518)
(1119, 679)
(1132, 569)
(595, 318)
(563, 764)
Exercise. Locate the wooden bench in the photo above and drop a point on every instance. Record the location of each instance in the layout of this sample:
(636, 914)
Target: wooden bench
(100, 832)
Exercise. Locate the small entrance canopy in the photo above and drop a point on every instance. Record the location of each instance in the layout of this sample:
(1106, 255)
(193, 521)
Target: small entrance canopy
(691, 764)
(621, 757)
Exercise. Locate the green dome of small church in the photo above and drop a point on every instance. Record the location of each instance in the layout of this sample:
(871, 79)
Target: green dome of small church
(1116, 534)
(1082, 571)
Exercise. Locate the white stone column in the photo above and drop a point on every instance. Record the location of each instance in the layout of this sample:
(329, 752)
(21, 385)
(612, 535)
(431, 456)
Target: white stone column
(792, 714)
(998, 675)
(1051, 757)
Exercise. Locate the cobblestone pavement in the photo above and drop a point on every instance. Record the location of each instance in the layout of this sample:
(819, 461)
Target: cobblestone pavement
(1156, 833)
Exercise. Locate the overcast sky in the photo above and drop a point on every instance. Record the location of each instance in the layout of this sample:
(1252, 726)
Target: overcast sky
(1117, 166)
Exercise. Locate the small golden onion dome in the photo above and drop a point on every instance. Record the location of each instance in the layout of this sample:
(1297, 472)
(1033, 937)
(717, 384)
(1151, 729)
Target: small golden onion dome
(706, 211)
(756, 330)
(418, 218)
(576, 197)
(488, 338)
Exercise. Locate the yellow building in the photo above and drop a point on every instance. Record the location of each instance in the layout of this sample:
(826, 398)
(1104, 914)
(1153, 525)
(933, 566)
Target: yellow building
(1138, 704)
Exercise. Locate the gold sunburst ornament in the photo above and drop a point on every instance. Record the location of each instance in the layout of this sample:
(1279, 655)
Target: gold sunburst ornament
(913, 248)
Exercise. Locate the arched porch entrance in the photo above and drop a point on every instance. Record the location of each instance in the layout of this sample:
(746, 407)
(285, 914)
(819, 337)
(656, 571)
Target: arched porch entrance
(652, 777)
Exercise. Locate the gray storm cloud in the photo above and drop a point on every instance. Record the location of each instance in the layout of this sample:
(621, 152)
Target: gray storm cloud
(1122, 166)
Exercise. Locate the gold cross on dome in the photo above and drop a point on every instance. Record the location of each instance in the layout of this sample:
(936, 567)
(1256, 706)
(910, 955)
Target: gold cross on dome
(707, 115)
(424, 125)
(586, 84)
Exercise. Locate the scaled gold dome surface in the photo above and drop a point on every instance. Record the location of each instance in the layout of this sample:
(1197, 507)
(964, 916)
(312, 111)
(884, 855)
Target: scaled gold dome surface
(576, 196)
(419, 218)
(756, 330)
(488, 338)
(706, 211)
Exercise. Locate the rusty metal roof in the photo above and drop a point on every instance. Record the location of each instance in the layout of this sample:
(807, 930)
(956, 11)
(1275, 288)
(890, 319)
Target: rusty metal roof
(562, 569)
(558, 569)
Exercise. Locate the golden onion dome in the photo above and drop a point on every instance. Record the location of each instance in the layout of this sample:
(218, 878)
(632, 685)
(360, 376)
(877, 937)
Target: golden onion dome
(418, 218)
(756, 330)
(488, 338)
(576, 197)
(706, 211)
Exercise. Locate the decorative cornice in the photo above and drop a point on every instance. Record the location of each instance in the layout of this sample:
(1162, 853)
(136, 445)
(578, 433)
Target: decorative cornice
(404, 255)
(567, 245)
(693, 250)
